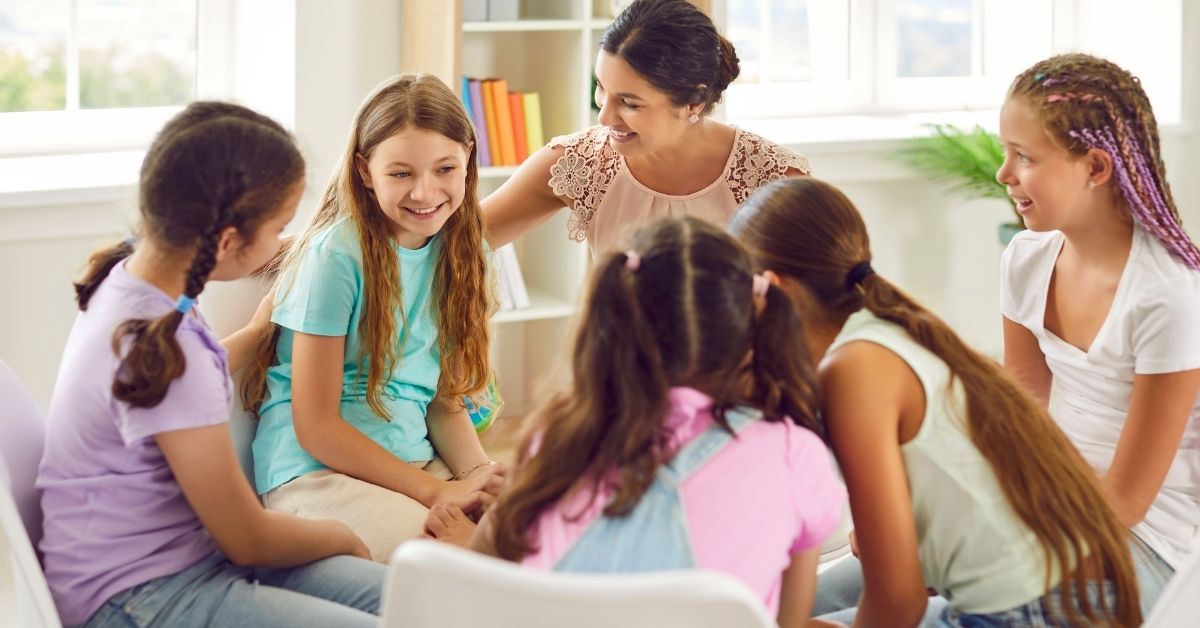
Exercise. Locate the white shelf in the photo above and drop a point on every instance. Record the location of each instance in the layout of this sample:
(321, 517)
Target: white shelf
(541, 307)
(496, 172)
(520, 26)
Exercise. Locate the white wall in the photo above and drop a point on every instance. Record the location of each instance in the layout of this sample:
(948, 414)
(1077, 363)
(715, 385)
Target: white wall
(942, 250)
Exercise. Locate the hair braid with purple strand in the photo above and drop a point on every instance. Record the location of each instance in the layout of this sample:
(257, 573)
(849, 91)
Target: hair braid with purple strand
(1088, 102)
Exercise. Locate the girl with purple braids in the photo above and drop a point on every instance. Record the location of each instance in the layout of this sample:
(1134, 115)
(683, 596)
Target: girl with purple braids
(1101, 296)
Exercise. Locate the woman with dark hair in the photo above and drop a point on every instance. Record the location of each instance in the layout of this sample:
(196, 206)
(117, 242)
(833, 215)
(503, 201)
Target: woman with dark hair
(661, 69)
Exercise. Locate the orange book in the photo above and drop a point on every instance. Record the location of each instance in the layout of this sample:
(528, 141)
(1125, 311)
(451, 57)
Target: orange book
(504, 127)
(518, 121)
(489, 117)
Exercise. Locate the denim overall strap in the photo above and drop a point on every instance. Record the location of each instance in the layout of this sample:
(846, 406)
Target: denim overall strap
(654, 535)
(695, 454)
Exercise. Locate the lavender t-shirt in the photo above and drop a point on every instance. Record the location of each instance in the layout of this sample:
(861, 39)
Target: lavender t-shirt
(114, 516)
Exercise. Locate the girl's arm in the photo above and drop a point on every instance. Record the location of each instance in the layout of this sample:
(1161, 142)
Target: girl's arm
(455, 439)
(799, 587)
(864, 433)
(323, 433)
(524, 201)
(242, 345)
(1025, 360)
(1159, 409)
(205, 465)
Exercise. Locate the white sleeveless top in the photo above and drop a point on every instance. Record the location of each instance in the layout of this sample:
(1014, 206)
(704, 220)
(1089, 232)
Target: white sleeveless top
(973, 548)
(609, 203)
(1152, 326)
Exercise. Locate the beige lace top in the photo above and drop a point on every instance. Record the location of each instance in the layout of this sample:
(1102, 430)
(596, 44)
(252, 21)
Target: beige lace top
(608, 203)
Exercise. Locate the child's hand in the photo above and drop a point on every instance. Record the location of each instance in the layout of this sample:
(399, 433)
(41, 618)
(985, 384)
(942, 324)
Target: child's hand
(472, 495)
(449, 524)
(351, 544)
(261, 321)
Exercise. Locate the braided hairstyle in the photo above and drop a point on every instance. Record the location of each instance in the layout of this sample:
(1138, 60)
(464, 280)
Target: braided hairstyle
(213, 166)
(1087, 102)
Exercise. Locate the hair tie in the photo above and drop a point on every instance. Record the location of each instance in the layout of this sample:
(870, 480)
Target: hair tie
(760, 285)
(858, 273)
(185, 303)
(632, 260)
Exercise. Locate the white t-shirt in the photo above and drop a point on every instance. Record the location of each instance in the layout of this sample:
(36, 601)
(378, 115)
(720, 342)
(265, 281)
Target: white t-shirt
(1152, 327)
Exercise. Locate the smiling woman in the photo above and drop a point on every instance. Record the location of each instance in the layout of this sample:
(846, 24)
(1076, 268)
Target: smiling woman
(661, 68)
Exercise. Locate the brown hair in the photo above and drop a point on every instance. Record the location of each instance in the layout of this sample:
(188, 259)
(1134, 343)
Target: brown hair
(1087, 102)
(807, 230)
(461, 287)
(214, 165)
(676, 47)
(679, 314)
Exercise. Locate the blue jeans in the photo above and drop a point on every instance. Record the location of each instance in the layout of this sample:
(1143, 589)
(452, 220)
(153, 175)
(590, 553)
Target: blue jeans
(336, 591)
(839, 587)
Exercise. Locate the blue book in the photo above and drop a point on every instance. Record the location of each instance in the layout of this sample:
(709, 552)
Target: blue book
(465, 93)
(481, 134)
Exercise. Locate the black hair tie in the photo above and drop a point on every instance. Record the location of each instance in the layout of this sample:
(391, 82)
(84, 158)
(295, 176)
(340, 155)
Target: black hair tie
(857, 274)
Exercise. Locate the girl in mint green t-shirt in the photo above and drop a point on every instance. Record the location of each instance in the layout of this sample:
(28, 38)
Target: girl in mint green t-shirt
(382, 315)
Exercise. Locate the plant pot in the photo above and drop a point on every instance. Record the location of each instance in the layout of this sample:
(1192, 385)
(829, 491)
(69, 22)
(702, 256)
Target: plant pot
(1007, 231)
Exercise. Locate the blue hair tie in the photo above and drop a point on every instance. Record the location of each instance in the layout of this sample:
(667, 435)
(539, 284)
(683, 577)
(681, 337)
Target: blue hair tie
(185, 303)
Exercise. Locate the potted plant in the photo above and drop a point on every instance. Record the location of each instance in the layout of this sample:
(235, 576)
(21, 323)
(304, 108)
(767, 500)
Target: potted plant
(967, 160)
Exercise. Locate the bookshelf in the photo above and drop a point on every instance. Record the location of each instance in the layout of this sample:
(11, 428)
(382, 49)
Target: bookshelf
(550, 50)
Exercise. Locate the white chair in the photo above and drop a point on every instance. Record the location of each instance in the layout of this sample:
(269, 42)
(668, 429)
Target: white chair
(22, 434)
(1178, 605)
(435, 584)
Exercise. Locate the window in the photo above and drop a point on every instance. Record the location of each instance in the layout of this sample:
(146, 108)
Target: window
(843, 57)
(93, 74)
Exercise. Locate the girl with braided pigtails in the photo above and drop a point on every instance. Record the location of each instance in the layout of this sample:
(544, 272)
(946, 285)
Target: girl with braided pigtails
(148, 519)
(1101, 296)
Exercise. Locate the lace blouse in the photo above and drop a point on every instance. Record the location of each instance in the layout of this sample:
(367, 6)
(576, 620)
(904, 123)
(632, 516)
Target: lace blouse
(608, 203)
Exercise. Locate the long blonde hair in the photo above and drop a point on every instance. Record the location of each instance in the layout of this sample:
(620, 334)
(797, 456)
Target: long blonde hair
(809, 231)
(461, 287)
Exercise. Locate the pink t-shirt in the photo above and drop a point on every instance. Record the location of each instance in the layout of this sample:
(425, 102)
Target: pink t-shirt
(769, 494)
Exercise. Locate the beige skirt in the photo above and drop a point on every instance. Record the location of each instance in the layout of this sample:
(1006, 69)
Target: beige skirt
(381, 517)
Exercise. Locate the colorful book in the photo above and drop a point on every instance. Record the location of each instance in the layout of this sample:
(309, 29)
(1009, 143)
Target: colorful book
(533, 121)
(508, 145)
(464, 92)
(483, 148)
(517, 108)
(489, 116)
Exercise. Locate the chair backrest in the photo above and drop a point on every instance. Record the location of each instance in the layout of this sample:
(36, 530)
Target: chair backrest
(1178, 605)
(434, 584)
(22, 437)
(22, 431)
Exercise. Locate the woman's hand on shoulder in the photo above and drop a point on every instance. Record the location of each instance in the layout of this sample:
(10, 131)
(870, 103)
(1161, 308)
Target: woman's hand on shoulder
(525, 200)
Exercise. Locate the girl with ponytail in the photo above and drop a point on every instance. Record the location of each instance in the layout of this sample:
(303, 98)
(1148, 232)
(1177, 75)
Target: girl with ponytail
(148, 517)
(958, 479)
(688, 437)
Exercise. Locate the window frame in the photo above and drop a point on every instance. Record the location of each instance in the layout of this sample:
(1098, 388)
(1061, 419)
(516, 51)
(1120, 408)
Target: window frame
(73, 130)
(872, 87)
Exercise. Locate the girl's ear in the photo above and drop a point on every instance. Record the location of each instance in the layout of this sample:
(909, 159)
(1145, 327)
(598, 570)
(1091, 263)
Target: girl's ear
(229, 243)
(360, 163)
(1100, 166)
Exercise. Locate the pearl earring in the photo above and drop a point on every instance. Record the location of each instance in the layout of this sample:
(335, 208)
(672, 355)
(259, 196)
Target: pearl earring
(694, 118)
(1092, 184)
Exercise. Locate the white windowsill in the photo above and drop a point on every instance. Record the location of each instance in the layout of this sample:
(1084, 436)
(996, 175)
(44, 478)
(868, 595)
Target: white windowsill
(47, 180)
